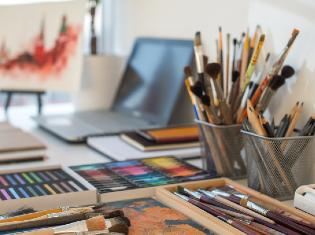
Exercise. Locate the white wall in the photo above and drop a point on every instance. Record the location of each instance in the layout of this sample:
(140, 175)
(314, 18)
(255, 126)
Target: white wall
(278, 18)
(175, 18)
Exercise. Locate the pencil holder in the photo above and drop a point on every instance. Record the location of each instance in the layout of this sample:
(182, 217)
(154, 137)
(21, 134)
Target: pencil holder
(278, 166)
(221, 150)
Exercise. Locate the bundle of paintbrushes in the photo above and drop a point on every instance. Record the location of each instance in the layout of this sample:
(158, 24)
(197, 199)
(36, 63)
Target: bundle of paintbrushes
(279, 154)
(219, 91)
(68, 220)
(245, 213)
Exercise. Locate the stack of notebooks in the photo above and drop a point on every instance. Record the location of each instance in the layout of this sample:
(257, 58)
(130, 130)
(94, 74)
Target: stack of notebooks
(182, 141)
(19, 146)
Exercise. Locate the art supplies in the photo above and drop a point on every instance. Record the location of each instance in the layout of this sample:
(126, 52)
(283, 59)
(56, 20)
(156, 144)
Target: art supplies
(279, 156)
(304, 198)
(218, 206)
(223, 204)
(44, 187)
(135, 174)
(115, 148)
(19, 146)
(216, 101)
(59, 216)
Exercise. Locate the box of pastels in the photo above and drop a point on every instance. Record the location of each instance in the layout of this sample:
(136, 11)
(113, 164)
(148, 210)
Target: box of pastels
(227, 207)
(42, 188)
(129, 179)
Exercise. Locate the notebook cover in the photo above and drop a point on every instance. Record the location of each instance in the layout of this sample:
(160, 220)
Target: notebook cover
(174, 134)
(143, 144)
(17, 140)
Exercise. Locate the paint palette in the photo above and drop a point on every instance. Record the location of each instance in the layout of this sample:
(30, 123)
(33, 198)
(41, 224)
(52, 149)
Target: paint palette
(134, 174)
(43, 188)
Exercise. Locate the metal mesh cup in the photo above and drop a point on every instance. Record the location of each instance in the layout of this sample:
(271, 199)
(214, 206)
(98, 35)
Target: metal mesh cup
(221, 150)
(278, 166)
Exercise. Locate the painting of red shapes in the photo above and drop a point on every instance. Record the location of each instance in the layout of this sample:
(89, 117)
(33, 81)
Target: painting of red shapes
(40, 60)
(45, 54)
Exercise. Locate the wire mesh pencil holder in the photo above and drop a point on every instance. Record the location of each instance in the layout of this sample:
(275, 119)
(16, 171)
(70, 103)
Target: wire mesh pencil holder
(278, 166)
(221, 150)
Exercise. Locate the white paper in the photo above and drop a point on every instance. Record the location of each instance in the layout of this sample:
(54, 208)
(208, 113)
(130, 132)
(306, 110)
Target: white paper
(116, 148)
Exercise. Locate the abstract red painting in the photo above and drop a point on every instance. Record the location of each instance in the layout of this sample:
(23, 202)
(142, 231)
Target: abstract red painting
(41, 45)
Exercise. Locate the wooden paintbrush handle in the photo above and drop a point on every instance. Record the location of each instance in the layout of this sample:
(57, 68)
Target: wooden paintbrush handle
(47, 231)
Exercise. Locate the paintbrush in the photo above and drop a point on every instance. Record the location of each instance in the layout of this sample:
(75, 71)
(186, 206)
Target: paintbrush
(276, 217)
(57, 219)
(276, 82)
(213, 69)
(294, 119)
(199, 56)
(244, 64)
(256, 80)
(221, 59)
(227, 74)
(253, 42)
(228, 219)
(274, 71)
(253, 62)
(283, 55)
(240, 199)
(234, 205)
(117, 224)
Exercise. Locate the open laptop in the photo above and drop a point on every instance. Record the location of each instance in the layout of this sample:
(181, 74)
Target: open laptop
(146, 97)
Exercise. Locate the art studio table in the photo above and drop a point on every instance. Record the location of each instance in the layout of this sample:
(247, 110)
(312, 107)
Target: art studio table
(58, 151)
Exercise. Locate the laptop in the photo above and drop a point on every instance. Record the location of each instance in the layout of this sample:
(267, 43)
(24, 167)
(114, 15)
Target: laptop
(151, 84)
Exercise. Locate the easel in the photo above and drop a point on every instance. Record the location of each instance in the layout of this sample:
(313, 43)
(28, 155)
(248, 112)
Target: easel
(10, 93)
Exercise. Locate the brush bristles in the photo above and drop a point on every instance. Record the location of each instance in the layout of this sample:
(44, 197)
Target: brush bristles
(287, 71)
(277, 82)
(119, 220)
(234, 41)
(196, 89)
(198, 39)
(205, 99)
(96, 223)
(188, 71)
(235, 76)
(213, 70)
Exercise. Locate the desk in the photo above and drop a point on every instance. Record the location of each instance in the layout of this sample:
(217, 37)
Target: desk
(60, 152)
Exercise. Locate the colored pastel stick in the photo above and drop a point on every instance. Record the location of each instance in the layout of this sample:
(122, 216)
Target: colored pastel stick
(14, 193)
(49, 189)
(41, 190)
(32, 191)
(3, 181)
(10, 179)
(19, 178)
(25, 195)
(27, 178)
(33, 174)
(5, 194)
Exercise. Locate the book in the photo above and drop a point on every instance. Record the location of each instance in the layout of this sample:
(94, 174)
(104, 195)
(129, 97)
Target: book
(171, 134)
(139, 142)
(17, 145)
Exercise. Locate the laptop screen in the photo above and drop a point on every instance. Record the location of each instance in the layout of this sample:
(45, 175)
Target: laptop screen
(153, 78)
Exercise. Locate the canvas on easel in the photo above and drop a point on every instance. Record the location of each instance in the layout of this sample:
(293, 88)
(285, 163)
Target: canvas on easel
(41, 45)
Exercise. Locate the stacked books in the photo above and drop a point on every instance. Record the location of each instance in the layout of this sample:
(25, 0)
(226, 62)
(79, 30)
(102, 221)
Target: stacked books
(163, 139)
(17, 145)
